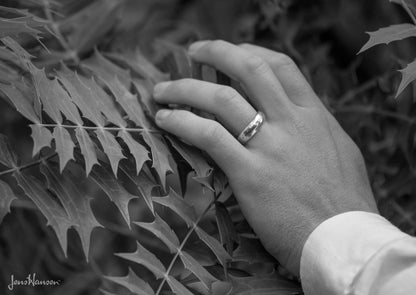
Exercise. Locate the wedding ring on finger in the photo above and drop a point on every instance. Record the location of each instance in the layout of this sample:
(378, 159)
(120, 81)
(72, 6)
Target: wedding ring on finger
(252, 128)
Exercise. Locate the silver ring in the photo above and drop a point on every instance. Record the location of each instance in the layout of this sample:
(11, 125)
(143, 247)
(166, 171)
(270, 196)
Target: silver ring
(251, 129)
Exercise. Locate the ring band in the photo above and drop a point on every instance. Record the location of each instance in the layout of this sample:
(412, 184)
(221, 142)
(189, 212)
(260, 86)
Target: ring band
(251, 129)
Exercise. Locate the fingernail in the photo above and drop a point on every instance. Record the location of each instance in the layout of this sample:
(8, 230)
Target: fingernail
(196, 46)
(160, 88)
(162, 115)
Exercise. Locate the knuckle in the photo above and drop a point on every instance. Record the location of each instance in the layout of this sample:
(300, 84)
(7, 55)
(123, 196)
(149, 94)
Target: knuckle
(226, 95)
(282, 60)
(255, 64)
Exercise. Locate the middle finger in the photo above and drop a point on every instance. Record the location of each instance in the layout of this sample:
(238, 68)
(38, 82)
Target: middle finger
(224, 102)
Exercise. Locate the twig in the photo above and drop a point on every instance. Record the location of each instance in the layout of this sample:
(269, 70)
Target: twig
(182, 245)
(406, 216)
(101, 128)
(368, 85)
(26, 166)
(409, 12)
(371, 110)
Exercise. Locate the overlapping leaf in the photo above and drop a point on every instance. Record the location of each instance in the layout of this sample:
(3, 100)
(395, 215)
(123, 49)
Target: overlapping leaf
(133, 283)
(21, 22)
(195, 159)
(56, 216)
(42, 137)
(8, 159)
(199, 271)
(162, 230)
(179, 206)
(18, 98)
(227, 231)
(75, 202)
(143, 183)
(266, 285)
(7, 196)
(177, 287)
(114, 190)
(109, 74)
(146, 258)
(215, 246)
(80, 96)
(187, 213)
(73, 208)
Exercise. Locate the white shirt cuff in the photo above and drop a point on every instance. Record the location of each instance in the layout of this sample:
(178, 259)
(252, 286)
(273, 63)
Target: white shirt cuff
(338, 249)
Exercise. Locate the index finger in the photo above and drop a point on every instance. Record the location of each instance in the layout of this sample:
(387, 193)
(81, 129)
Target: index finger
(255, 75)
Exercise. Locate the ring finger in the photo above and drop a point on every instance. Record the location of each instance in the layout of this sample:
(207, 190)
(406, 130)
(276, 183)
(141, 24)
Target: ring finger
(225, 103)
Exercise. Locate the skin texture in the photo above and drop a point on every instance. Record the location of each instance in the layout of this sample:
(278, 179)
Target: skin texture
(300, 169)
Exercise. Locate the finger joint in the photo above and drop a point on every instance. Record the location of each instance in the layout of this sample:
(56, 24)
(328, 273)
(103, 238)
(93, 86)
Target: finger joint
(256, 65)
(226, 96)
(282, 60)
(213, 135)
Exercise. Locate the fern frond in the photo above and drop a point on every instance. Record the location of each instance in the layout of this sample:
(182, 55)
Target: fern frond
(96, 115)
(80, 95)
(108, 73)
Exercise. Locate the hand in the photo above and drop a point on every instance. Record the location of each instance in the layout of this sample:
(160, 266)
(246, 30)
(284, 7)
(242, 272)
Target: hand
(300, 169)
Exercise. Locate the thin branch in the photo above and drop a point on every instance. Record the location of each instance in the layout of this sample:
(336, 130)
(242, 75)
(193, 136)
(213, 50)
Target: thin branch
(372, 110)
(368, 85)
(182, 245)
(406, 216)
(28, 165)
(99, 128)
(409, 12)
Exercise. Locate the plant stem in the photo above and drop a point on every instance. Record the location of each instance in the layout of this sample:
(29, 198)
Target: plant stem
(406, 216)
(369, 110)
(179, 250)
(370, 84)
(98, 128)
(409, 12)
(28, 165)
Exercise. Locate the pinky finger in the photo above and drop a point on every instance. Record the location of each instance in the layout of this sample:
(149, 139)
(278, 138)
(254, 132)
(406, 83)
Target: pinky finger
(208, 135)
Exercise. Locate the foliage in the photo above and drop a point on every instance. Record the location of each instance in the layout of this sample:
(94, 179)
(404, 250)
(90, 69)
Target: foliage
(394, 33)
(90, 113)
(108, 203)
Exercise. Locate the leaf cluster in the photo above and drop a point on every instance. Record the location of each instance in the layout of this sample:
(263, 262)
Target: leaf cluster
(89, 109)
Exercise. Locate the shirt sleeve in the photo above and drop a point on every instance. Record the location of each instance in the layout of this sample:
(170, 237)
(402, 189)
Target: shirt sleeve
(357, 253)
